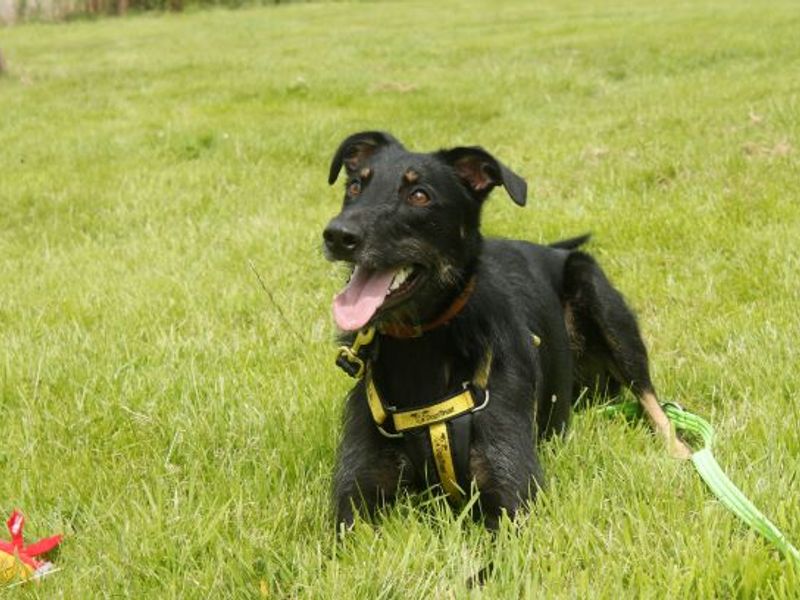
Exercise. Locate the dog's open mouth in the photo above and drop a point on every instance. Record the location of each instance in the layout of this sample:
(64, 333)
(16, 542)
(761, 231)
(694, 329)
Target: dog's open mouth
(369, 291)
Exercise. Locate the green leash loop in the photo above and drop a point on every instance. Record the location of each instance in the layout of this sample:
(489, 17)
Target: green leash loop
(710, 471)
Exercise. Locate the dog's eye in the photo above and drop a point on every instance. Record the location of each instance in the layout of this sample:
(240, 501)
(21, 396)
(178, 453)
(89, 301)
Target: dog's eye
(418, 198)
(354, 188)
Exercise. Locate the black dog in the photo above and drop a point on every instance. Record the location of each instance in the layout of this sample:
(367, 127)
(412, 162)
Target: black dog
(469, 350)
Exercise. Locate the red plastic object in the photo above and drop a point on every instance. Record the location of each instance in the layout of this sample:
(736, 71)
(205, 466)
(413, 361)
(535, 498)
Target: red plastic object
(26, 554)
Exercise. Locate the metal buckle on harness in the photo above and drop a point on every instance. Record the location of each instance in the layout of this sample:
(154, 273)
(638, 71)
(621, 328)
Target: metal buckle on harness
(390, 410)
(349, 359)
(468, 385)
(389, 434)
(349, 362)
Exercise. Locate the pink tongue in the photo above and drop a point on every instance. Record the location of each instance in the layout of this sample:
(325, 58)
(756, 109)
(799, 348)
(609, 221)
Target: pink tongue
(354, 306)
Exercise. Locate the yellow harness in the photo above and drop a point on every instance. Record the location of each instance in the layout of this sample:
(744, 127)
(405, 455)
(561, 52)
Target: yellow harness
(435, 416)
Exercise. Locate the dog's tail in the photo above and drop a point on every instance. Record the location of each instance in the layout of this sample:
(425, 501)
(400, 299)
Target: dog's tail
(572, 243)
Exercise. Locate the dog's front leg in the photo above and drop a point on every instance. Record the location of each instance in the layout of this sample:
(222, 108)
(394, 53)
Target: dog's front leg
(369, 467)
(506, 470)
(362, 490)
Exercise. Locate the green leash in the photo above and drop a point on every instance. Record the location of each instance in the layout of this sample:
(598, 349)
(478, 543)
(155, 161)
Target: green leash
(719, 484)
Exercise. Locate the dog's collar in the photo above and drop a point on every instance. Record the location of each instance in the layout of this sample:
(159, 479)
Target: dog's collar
(353, 359)
(404, 331)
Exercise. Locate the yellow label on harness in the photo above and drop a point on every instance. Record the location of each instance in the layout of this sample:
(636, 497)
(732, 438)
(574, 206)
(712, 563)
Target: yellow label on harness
(442, 411)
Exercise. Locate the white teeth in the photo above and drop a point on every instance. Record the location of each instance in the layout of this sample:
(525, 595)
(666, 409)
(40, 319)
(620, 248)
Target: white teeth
(400, 278)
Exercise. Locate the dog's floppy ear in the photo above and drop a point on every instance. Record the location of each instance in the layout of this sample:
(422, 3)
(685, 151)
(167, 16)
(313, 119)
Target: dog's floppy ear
(357, 148)
(481, 172)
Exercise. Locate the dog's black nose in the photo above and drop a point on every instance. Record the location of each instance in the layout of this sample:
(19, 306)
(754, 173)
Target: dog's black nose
(341, 239)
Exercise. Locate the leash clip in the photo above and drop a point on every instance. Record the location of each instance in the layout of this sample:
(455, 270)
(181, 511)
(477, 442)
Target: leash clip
(349, 362)
(351, 359)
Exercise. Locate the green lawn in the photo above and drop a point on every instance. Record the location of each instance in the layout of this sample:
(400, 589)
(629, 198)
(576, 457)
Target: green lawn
(178, 423)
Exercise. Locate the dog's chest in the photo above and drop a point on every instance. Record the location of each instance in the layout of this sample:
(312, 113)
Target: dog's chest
(412, 372)
(437, 387)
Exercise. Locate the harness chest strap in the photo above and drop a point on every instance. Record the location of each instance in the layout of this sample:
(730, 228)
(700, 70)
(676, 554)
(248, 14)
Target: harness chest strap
(448, 424)
(443, 458)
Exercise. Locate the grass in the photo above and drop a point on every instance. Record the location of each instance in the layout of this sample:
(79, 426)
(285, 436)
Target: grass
(159, 410)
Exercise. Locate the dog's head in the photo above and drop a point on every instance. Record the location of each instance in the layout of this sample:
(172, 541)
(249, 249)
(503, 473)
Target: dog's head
(409, 225)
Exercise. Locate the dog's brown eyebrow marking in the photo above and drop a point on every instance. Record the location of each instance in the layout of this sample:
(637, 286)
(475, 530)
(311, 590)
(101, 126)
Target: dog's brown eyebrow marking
(365, 173)
(411, 176)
